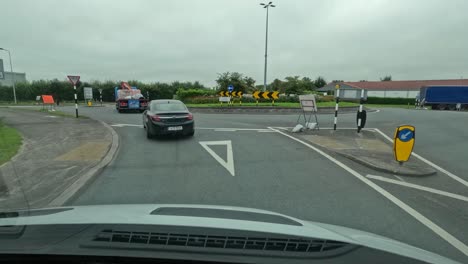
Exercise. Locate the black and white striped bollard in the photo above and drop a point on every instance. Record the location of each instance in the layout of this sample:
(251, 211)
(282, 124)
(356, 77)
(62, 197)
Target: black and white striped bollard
(336, 106)
(361, 101)
(100, 96)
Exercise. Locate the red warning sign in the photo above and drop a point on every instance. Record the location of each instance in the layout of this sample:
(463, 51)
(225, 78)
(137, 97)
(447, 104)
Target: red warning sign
(47, 99)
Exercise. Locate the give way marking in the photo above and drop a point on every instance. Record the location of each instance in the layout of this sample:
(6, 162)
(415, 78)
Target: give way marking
(229, 163)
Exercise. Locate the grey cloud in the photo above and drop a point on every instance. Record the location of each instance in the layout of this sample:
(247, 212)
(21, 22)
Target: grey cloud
(195, 40)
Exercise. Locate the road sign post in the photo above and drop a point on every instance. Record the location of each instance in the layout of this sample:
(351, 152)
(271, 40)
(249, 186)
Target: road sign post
(74, 80)
(337, 96)
(2, 72)
(230, 89)
(360, 115)
(100, 96)
(403, 143)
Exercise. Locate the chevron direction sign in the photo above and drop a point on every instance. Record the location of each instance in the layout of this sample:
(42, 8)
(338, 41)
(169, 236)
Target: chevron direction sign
(233, 94)
(265, 95)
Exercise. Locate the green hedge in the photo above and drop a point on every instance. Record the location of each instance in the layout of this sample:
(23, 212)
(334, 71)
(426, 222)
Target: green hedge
(215, 99)
(395, 101)
(193, 93)
(201, 100)
(62, 90)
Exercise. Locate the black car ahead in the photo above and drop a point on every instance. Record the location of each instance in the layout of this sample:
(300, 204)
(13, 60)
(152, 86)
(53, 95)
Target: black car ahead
(165, 117)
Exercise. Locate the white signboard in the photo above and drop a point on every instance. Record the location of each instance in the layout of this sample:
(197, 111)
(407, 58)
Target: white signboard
(224, 99)
(308, 103)
(88, 93)
(38, 98)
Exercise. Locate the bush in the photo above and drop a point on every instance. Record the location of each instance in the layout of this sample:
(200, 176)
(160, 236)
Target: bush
(325, 98)
(282, 99)
(201, 100)
(396, 101)
(185, 94)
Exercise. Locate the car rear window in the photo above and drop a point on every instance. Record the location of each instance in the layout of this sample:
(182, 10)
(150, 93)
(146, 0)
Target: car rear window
(168, 106)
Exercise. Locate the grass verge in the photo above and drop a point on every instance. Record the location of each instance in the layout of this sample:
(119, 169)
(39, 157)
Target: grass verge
(288, 105)
(60, 113)
(389, 106)
(10, 142)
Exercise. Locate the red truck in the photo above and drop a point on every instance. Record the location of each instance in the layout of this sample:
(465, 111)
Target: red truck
(128, 98)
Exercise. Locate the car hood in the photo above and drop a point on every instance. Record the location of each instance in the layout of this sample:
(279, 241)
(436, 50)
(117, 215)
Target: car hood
(219, 217)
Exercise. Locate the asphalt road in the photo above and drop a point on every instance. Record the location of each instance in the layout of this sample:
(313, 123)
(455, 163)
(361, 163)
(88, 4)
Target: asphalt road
(277, 173)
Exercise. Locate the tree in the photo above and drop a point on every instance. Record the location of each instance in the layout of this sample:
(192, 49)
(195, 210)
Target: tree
(386, 78)
(239, 81)
(293, 85)
(320, 82)
(276, 85)
(306, 84)
(250, 84)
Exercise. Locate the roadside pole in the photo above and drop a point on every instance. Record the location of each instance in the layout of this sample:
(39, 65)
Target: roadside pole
(74, 80)
(337, 95)
(361, 101)
(76, 101)
(100, 96)
(230, 89)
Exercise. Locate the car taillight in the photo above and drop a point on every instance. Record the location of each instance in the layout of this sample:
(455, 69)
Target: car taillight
(123, 103)
(190, 117)
(155, 118)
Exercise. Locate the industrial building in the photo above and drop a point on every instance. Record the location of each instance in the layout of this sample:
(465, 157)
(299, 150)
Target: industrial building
(8, 78)
(391, 89)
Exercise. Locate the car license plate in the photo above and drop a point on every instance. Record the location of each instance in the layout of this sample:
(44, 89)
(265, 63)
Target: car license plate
(176, 128)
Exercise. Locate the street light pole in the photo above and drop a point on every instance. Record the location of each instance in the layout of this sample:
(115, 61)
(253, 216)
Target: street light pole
(12, 74)
(267, 6)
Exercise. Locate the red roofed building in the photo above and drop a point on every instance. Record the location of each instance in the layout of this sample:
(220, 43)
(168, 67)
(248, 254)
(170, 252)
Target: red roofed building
(394, 89)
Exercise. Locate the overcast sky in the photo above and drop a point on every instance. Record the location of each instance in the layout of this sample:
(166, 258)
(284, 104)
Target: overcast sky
(194, 40)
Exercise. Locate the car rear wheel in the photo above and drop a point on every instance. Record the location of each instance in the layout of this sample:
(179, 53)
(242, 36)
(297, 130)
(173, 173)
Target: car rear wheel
(149, 135)
(191, 133)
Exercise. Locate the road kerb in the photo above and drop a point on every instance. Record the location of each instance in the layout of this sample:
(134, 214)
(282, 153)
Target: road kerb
(383, 169)
(87, 178)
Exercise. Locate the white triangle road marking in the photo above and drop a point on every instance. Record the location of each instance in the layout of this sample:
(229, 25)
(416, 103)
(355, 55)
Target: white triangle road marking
(229, 163)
